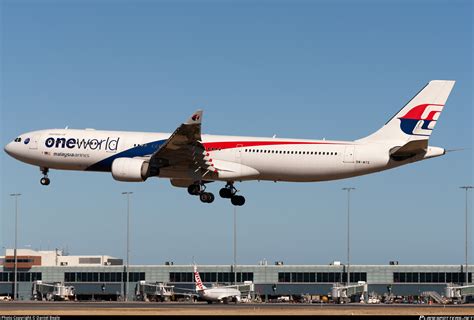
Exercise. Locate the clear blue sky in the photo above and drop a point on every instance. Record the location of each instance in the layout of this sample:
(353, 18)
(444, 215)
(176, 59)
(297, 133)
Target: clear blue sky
(298, 69)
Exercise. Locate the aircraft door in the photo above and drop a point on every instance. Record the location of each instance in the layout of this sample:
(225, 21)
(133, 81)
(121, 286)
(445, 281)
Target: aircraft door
(238, 153)
(33, 144)
(349, 154)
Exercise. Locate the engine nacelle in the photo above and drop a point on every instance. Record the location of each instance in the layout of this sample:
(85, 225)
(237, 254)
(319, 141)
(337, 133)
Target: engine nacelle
(129, 169)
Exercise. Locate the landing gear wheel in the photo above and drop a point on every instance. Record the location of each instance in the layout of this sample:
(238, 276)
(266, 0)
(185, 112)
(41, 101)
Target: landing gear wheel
(206, 197)
(194, 189)
(45, 180)
(228, 191)
(237, 200)
(211, 197)
(225, 193)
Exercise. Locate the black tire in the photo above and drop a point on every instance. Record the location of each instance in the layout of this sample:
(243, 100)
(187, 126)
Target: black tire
(204, 197)
(225, 193)
(237, 200)
(194, 189)
(45, 181)
(210, 197)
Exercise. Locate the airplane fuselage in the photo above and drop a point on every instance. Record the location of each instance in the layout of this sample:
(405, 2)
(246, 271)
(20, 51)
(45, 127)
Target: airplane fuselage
(190, 159)
(219, 294)
(274, 159)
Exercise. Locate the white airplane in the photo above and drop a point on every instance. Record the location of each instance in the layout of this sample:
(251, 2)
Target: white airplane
(191, 159)
(217, 294)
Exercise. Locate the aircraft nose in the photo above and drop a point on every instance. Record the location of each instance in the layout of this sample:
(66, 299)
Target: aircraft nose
(9, 148)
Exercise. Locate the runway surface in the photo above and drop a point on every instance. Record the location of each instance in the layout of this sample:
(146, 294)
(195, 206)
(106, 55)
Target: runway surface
(152, 308)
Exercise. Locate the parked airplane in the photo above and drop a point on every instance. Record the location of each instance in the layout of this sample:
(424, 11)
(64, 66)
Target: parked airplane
(191, 159)
(216, 294)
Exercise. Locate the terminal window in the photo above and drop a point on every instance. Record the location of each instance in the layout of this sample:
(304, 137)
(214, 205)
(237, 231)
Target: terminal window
(430, 277)
(19, 260)
(323, 277)
(211, 276)
(20, 276)
(103, 276)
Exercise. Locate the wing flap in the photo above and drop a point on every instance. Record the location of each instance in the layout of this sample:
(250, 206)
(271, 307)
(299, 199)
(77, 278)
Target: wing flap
(183, 149)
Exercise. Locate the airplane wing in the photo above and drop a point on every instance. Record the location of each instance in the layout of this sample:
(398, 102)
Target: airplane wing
(183, 150)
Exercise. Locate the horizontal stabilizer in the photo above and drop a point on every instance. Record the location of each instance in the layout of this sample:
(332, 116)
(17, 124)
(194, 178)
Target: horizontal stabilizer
(409, 150)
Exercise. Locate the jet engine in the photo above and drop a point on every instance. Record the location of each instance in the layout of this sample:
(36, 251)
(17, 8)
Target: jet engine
(129, 169)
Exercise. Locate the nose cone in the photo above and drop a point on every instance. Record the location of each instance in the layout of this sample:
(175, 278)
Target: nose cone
(9, 149)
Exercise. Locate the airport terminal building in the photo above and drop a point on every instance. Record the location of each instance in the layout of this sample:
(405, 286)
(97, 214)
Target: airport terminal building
(105, 277)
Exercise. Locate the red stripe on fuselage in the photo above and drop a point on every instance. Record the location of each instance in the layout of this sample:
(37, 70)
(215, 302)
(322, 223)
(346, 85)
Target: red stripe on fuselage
(241, 144)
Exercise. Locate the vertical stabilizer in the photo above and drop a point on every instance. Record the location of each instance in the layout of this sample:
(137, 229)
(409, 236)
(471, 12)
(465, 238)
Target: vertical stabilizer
(197, 280)
(417, 119)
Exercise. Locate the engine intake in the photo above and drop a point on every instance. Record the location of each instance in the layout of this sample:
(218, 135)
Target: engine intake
(130, 170)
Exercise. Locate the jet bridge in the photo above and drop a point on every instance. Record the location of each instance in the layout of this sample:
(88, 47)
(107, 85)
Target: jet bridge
(458, 293)
(342, 293)
(52, 291)
(156, 291)
(247, 290)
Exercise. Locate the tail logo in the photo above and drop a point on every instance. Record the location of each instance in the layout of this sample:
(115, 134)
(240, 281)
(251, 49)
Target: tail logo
(198, 280)
(420, 120)
(195, 117)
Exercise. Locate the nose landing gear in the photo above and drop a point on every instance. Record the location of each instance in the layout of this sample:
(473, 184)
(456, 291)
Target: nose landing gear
(45, 180)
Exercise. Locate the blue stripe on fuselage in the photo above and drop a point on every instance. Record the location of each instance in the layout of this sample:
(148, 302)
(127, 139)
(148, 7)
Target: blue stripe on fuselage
(140, 151)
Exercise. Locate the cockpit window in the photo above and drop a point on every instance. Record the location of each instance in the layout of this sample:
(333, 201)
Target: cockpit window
(18, 140)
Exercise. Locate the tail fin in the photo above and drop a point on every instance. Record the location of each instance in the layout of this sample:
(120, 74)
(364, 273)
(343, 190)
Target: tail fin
(197, 280)
(417, 119)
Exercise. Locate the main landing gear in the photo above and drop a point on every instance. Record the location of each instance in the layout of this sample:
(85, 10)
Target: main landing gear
(229, 192)
(199, 189)
(45, 180)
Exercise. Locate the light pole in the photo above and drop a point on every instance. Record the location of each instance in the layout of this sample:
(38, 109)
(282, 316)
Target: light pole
(348, 189)
(235, 245)
(128, 245)
(466, 188)
(15, 293)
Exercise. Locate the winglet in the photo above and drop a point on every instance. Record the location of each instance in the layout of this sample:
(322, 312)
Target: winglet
(195, 118)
